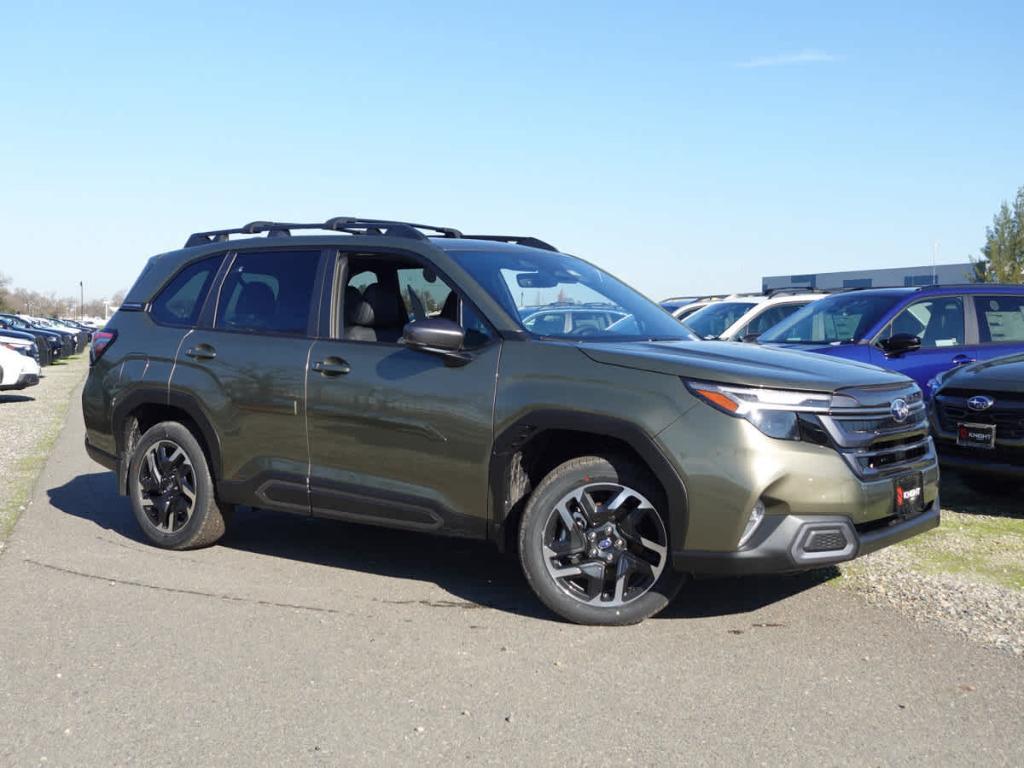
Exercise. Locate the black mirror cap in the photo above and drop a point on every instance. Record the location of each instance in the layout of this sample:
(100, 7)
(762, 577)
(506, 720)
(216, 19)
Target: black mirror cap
(434, 334)
(899, 343)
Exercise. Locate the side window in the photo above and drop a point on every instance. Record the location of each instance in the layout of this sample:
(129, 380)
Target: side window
(180, 302)
(269, 292)
(363, 280)
(938, 322)
(425, 294)
(1000, 318)
(546, 323)
(770, 317)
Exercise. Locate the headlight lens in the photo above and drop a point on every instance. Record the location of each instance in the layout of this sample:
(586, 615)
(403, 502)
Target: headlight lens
(782, 414)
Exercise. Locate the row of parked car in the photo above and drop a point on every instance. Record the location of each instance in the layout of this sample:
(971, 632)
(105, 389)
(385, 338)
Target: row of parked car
(962, 344)
(27, 343)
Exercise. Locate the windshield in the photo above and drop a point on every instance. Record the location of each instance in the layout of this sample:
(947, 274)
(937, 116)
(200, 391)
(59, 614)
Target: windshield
(836, 319)
(554, 295)
(711, 321)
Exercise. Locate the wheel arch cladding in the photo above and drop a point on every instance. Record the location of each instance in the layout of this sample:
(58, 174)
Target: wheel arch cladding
(147, 407)
(540, 440)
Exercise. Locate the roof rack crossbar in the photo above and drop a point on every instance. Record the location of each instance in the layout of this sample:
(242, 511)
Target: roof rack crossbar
(351, 224)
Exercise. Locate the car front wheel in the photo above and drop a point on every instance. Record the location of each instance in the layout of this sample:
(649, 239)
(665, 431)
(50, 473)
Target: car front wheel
(594, 544)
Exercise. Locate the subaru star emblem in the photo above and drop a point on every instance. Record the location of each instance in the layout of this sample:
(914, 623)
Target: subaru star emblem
(980, 403)
(900, 410)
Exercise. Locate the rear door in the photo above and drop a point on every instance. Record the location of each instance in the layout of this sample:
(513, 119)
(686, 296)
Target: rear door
(397, 436)
(941, 324)
(1000, 319)
(245, 365)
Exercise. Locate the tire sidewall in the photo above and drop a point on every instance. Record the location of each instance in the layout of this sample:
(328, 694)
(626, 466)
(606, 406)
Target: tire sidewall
(179, 435)
(559, 482)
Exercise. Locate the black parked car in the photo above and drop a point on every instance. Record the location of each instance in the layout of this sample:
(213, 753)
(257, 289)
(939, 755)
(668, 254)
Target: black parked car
(978, 421)
(47, 344)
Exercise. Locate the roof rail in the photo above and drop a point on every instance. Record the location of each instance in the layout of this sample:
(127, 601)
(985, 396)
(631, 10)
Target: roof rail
(349, 224)
(531, 242)
(1019, 286)
(795, 289)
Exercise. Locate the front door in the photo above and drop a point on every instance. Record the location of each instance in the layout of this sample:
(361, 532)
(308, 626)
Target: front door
(939, 322)
(397, 436)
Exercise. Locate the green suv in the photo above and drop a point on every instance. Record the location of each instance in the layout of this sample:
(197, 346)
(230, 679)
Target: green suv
(381, 372)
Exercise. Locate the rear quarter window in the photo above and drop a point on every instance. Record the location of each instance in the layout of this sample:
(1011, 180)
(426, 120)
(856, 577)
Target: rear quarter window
(180, 301)
(1000, 318)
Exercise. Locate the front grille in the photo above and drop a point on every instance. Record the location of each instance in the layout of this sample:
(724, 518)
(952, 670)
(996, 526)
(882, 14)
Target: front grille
(1007, 413)
(871, 439)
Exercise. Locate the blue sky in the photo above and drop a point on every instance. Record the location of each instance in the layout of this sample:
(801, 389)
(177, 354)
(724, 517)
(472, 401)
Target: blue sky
(687, 147)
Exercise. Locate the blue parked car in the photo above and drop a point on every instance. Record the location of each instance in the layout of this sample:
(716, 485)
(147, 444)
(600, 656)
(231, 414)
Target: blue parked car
(920, 332)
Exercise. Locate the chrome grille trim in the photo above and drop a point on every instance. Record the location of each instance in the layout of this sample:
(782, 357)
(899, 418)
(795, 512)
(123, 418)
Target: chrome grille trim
(871, 442)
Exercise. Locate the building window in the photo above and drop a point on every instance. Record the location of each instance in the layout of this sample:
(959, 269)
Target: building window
(858, 282)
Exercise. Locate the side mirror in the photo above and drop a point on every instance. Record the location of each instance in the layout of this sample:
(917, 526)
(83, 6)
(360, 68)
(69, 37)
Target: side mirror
(437, 335)
(899, 343)
(750, 338)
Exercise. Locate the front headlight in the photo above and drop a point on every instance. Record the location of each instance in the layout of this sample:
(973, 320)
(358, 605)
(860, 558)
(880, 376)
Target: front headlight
(779, 413)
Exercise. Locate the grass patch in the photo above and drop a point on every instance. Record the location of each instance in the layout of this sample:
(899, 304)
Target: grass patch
(980, 548)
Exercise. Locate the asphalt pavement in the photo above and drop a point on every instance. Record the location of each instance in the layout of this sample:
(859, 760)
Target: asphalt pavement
(305, 642)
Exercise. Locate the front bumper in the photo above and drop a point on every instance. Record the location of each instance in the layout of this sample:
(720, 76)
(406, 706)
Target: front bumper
(727, 466)
(790, 543)
(24, 380)
(1004, 461)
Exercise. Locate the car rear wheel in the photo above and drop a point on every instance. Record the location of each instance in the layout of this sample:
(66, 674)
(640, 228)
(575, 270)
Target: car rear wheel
(594, 544)
(171, 489)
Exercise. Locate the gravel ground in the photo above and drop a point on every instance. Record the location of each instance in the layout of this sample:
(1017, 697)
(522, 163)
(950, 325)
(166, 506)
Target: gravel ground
(967, 576)
(29, 421)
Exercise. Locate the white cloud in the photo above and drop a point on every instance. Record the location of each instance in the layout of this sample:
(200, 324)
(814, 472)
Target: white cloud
(787, 59)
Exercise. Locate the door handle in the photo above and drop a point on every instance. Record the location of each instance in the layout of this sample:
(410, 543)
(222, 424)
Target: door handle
(963, 359)
(332, 366)
(201, 352)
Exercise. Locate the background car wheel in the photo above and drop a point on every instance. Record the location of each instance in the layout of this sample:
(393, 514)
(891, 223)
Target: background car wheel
(171, 489)
(594, 543)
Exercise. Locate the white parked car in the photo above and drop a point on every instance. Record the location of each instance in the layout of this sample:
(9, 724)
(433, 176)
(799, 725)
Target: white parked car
(744, 318)
(17, 371)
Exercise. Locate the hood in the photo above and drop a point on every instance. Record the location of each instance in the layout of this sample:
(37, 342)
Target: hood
(1004, 374)
(743, 364)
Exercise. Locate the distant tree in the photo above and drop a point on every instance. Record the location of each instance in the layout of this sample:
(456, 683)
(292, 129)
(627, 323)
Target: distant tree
(5, 296)
(1002, 256)
(118, 298)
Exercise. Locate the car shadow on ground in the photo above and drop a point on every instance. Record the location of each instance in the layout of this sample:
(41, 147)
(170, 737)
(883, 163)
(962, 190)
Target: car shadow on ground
(471, 571)
(997, 498)
(15, 399)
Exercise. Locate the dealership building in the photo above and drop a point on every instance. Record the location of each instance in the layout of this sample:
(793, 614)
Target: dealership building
(942, 274)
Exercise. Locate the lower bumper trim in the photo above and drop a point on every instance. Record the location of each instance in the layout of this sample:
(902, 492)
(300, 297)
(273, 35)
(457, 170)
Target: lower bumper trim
(781, 546)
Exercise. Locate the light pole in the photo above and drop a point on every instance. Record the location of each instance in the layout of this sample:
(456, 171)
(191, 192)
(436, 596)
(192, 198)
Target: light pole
(81, 303)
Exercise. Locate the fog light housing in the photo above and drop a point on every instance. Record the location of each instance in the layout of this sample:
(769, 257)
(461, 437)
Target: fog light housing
(753, 523)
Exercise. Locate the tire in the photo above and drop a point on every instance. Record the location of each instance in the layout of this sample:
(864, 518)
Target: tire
(171, 518)
(623, 574)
